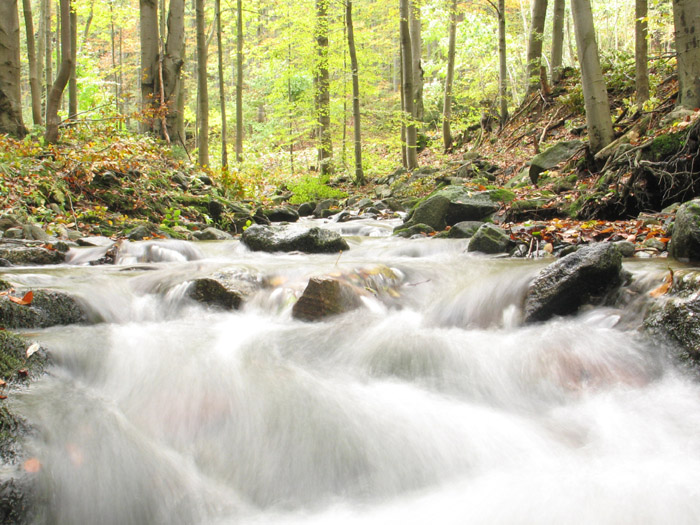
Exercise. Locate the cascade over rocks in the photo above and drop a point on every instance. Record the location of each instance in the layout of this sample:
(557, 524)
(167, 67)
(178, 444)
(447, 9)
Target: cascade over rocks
(685, 244)
(579, 278)
(48, 308)
(280, 239)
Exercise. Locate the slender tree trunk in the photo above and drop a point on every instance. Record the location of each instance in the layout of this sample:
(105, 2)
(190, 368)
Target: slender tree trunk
(48, 52)
(73, 82)
(407, 81)
(359, 173)
(239, 81)
(34, 84)
(113, 43)
(173, 62)
(149, 59)
(202, 88)
(555, 64)
(415, 27)
(686, 16)
(534, 45)
(502, 65)
(52, 119)
(641, 32)
(404, 150)
(325, 150)
(447, 105)
(10, 89)
(598, 121)
(88, 22)
(222, 90)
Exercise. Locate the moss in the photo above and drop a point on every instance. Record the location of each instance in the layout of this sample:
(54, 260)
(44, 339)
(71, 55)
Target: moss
(4, 285)
(502, 195)
(12, 355)
(664, 146)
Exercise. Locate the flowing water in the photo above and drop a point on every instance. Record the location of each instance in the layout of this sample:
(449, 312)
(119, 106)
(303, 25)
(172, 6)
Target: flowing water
(430, 404)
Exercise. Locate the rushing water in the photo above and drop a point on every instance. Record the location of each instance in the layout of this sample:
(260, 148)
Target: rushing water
(433, 406)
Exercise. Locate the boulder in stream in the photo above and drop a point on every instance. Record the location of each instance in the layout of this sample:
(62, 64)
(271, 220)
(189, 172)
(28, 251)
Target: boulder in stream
(222, 293)
(20, 255)
(47, 308)
(685, 244)
(582, 277)
(279, 239)
(323, 297)
(490, 239)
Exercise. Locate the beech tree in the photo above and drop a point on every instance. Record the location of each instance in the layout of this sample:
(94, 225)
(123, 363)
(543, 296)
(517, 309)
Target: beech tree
(641, 70)
(534, 45)
(686, 16)
(323, 97)
(202, 87)
(407, 86)
(59, 85)
(359, 173)
(148, 18)
(239, 81)
(172, 64)
(34, 84)
(449, 80)
(595, 94)
(555, 62)
(10, 91)
(415, 28)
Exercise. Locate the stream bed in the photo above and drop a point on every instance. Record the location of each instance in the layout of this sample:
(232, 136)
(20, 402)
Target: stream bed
(433, 404)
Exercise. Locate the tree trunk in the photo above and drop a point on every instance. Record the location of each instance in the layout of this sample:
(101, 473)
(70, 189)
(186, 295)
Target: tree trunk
(502, 65)
(172, 66)
(447, 105)
(359, 173)
(407, 83)
(555, 64)
(34, 85)
(48, 52)
(202, 88)
(148, 18)
(686, 17)
(534, 45)
(239, 81)
(595, 95)
(415, 28)
(73, 82)
(222, 90)
(10, 89)
(52, 119)
(325, 150)
(641, 32)
(88, 22)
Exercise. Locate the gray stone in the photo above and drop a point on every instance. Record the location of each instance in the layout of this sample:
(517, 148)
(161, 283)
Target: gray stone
(48, 308)
(323, 297)
(582, 277)
(413, 230)
(13, 233)
(221, 293)
(626, 248)
(489, 239)
(281, 214)
(551, 157)
(685, 243)
(325, 204)
(306, 209)
(97, 240)
(212, 234)
(34, 232)
(280, 239)
(430, 212)
(31, 255)
(464, 229)
(467, 206)
(181, 180)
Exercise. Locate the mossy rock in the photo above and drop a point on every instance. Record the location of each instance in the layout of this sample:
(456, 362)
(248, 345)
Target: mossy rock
(48, 308)
(666, 145)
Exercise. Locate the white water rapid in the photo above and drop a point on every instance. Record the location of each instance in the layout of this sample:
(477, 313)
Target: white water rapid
(435, 406)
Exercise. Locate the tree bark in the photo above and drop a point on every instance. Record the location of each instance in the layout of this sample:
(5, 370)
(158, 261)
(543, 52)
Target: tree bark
(325, 149)
(686, 17)
(222, 90)
(148, 18)
(73, 82)
(417, 51)
(555, 64)
(534, 45)
(447, 103)
(407, 86)
(239, 81)
(173, 62)
(34, 85)
(59, 85)
(595, 95)
(641, 32)
(359, 173)
(502, 65)
(202, 88)
(48, 52)
(10, 89)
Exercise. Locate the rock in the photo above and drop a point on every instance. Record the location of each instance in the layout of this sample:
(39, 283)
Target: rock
(212, 234)
(226, 294)
(430, 212)
(307, 209)
(13, 233)
(549, 158)
(206, 180)
(364, 203)
(279, 239)
(142, 232)
(626, 248)
(325, 204)
(489, 239)
(415, 229)
(655, 244)
(31, 255)
(95, 241)
(685, 243)
(181, 180)
(34, 232)
(281, 214)
(48, 308)
(464, 229)
(582, 277)
(467, 206)
(7, 222)
(324, 297)
(532, 210)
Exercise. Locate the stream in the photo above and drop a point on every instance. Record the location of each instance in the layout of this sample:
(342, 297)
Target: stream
(431, 405)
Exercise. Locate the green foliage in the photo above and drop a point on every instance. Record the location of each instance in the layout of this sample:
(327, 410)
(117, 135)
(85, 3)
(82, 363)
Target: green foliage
(171, 218)
(310, 188)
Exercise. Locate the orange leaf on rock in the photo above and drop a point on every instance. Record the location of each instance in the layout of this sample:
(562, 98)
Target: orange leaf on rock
(665, 287)
(32, 465)
(24, 301)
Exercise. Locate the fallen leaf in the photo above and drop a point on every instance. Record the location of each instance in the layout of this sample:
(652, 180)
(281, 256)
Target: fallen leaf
(24, 301)
(32, 465)
(2, 383)
(32, 349)
(23, 372)
(665, 287)
(3, 396)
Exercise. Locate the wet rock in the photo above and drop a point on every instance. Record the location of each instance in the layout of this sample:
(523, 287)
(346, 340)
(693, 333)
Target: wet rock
(279, 239)
(489, 239)
(685, 244)
(212, 234)
(325, 206)
(307, 209)
(143, 231)
(7, 222)
(30, 255)
(464, 229)
(415, 229)
(467, 206)
(323, 297)
(678, 321)
(221, 293)
(96, 241)
(34, 232)
(430, 212)
(582, 277)
(281, 214)
(626, 248)
(13, 233)
(551, 157)
(48, 308)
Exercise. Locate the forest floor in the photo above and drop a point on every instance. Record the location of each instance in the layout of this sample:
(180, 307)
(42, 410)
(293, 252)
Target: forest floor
(105, 182)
